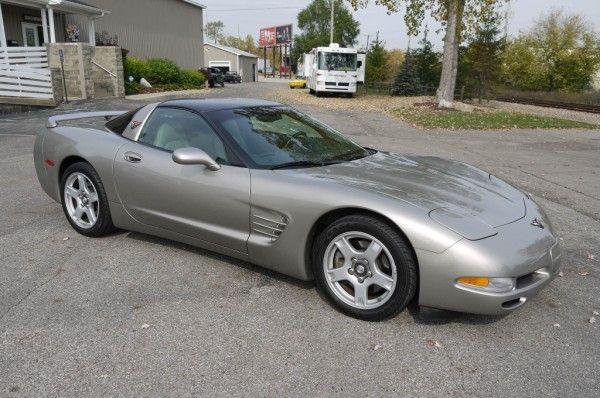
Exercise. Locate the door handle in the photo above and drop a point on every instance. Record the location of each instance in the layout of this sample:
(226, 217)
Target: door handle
(132, 157)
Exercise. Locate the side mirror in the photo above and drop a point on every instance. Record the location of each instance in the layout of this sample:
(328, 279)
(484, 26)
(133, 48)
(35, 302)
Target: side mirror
(195, 156)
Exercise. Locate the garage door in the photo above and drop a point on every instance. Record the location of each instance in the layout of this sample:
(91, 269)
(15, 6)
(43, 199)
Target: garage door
(225, 66)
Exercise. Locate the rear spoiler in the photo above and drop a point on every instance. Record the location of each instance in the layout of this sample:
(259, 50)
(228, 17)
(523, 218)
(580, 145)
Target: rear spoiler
(54, 120)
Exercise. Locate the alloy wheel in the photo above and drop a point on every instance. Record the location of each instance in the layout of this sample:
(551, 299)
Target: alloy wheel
(360, 270)
(81, 200)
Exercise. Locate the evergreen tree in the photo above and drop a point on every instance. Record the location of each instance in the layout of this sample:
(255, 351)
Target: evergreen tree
(481, 61)
(377, 64)
(428, 63)
(407, 82)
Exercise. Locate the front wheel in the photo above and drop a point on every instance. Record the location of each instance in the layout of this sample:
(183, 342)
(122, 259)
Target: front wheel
(365, 267)
(84, 200)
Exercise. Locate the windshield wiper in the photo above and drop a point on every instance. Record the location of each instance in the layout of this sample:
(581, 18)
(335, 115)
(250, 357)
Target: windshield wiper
(298, 163)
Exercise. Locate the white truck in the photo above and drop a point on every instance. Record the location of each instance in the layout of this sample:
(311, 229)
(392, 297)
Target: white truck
(332, 69)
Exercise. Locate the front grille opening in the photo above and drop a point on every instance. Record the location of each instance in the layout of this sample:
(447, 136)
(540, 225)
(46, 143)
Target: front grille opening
(513, 303)
(330, 83)
(531, 278)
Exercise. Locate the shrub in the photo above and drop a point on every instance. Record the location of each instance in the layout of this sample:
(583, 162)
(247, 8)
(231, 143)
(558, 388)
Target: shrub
(135, 67)
(163, 71)
(133, 88)
(192, 79)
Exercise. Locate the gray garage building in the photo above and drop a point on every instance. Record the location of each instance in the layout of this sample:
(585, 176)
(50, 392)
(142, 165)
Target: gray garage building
(171, 29)
(231, 59)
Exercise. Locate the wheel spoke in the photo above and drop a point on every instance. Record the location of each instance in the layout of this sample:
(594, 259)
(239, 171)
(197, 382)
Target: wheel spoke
(78, 212)
(338, 274)
(360, 293)
(81, 182)
(373, 251)
(344, 246)
(382, 280)
(92, 217)
(72, 192)
(93, 197)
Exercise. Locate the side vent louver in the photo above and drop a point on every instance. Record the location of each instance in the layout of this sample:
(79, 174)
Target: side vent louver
(271, 227)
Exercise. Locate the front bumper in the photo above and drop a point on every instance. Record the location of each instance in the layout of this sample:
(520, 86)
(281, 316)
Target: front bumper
(336, 87)
(520, 250)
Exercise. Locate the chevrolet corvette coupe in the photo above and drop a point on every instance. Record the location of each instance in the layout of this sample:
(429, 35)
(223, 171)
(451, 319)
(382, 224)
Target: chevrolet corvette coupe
(262, 182)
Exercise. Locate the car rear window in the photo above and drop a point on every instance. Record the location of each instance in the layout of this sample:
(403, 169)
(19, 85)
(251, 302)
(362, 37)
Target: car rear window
(119, 124)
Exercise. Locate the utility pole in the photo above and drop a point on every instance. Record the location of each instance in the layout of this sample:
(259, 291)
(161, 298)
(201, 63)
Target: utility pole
(332, 22)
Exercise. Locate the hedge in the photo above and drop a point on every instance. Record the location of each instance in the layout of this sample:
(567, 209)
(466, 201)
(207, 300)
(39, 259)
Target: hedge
(163, 75)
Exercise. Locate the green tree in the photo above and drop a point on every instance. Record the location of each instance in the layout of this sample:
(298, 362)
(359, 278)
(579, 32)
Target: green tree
(314, 23)
(247, 44)
(481, 62)
(407, 82)
(561, 52)
(214, 30)
(458, 17)
(376, 69)
(427, 63)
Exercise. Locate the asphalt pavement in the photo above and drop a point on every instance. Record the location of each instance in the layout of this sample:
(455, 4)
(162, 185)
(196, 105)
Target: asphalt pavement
(134, 315)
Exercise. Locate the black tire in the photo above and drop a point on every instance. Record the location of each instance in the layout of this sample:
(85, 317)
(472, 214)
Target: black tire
(222, 84)
(400, 250)
(104, 224)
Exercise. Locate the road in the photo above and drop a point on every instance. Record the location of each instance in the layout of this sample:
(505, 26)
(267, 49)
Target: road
(135, 315)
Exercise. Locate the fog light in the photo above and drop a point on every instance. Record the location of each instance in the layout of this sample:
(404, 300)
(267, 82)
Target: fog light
(494, 285)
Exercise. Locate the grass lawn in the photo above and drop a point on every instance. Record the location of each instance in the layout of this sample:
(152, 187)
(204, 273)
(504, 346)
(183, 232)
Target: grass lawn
(428, 117)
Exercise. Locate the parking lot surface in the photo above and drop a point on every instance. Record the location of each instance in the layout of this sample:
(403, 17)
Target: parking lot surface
(135, 315)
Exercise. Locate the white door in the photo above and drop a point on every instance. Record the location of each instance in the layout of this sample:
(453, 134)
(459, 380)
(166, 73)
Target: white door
(30, 35)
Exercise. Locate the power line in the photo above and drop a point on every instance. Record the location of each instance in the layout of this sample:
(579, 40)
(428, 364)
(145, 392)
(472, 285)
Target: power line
(256, 9)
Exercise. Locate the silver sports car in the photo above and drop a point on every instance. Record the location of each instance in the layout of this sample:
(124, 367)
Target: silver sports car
(262, 182)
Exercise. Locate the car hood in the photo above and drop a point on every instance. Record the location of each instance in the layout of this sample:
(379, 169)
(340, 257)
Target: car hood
(430, 183)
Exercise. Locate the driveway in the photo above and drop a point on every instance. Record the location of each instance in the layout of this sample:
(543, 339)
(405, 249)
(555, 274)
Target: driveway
(135, 315)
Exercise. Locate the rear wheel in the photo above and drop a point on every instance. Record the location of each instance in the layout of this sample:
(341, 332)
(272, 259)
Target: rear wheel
(364, 267)
(84, 200)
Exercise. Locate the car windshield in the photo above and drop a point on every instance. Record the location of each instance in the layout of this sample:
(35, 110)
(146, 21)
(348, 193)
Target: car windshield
(337, 61)
(281, 137)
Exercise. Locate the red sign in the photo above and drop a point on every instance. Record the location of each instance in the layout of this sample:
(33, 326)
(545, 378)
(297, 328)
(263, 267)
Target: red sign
(275, 35)
(267, 37)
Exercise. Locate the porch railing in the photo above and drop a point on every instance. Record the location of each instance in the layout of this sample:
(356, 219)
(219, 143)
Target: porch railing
(24, 73)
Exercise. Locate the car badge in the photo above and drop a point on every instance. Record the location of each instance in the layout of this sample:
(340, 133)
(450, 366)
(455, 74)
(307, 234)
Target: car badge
(536, 222)
(135, 124)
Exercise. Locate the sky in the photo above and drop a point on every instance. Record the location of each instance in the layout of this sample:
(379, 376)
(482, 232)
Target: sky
(245, 17)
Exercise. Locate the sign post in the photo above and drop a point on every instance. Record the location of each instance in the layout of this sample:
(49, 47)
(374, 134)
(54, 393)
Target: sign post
(273, 37)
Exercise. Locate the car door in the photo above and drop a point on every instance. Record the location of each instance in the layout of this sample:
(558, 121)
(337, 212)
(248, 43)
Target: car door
(188, 199)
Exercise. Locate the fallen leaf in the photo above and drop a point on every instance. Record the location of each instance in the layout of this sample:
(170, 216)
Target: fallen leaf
(591, 257)
(66, 238)
(561, 274)
(592, 319)
(556, 325)
(595, 312)
(376, 347)
(583, 273)
(145, 326)
(433, 343)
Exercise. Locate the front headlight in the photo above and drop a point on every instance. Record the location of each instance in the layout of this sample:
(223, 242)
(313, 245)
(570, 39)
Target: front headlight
(492, 285)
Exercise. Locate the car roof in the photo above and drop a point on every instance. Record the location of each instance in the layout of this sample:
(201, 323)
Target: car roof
(216, 104)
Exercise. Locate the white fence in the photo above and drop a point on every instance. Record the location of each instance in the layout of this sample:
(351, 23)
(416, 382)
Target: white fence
(24, 73)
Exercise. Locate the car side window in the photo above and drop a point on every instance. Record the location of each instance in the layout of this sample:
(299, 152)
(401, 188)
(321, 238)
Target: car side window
(174, 128)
